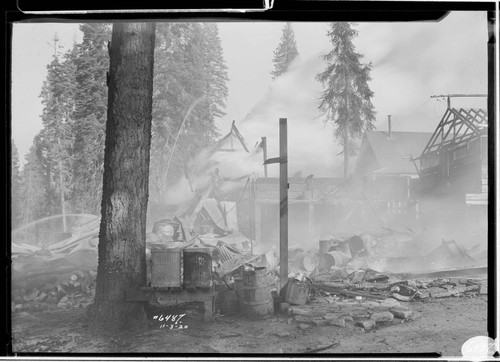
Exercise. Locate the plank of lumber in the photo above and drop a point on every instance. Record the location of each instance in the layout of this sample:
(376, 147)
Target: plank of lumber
(348, 293)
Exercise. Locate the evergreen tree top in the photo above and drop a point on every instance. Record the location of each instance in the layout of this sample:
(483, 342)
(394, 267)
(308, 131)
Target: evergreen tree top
(346, 99)
(286, 51)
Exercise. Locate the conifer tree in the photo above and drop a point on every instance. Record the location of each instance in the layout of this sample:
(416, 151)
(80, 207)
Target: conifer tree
(58, 101)
(89, 117)
(32, 188)
(286, 51)
(122, 233)
(346, 99)
(189, 94)
(15, 179)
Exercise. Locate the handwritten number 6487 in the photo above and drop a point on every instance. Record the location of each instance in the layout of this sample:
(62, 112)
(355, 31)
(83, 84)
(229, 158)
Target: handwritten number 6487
(173, 318)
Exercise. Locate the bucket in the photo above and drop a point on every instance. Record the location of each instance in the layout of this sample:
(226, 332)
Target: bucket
(198, 267)
(257, 299)
(306, 261)
(332, 258)
(355, 244)
(324, 245)
(166, 268)
(296, 293)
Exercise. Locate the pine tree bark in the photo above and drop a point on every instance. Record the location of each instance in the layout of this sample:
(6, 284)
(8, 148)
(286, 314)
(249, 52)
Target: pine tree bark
(122, 236)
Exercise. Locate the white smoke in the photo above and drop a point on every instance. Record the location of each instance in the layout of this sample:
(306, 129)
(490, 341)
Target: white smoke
(295, 96)
(411, 62)
(311, 146)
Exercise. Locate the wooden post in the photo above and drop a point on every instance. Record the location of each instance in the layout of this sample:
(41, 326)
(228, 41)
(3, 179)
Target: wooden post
(264, 151)
(492, 133)
(283, 203)
(252, 214)
(492, 103)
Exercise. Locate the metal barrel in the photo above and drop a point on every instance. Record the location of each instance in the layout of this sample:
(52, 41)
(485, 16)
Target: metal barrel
(324, 245)
(355, 244)
(306, 261)
(293, 253)
(332, 258)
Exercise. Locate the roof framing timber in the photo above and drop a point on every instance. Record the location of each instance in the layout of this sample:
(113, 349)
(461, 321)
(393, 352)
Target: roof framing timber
(457, 127)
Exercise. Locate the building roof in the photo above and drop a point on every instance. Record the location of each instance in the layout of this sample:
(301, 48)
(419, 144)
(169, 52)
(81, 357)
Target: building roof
(227, 141)
(390, 155)
(457, 127)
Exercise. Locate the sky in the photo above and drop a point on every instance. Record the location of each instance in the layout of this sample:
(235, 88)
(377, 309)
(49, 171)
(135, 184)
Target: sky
(410, 63)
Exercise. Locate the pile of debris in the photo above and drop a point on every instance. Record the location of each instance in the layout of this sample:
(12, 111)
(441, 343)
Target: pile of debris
(333, 311)
(347, 265)
(77, 291)
(63, 274)
(369, 283)
(367, 298)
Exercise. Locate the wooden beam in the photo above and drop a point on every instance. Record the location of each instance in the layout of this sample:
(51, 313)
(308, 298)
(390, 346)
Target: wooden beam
(433, 139)
(291, 202)
(283, 203)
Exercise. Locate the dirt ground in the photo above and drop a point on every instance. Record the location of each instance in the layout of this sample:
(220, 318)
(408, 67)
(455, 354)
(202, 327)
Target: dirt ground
(442, 325)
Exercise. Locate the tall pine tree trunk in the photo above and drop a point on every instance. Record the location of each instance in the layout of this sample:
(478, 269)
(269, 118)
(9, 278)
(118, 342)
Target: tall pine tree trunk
(122, 236)
(61, 185)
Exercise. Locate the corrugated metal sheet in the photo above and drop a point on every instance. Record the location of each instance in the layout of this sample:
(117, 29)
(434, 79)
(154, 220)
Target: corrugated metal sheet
(212, 210)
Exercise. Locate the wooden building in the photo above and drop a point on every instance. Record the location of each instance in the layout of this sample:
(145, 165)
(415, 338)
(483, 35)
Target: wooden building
(387, 165)
(454, 176)
(315, 207)
(455, 160)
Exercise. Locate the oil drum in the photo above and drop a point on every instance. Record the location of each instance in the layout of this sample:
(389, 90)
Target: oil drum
(332, 258)
(324, 245)
(306, 261)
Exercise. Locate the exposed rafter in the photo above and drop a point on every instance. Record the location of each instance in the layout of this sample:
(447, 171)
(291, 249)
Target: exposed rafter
(457, 127)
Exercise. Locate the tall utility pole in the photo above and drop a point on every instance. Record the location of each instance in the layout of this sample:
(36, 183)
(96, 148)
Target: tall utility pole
(492, 132)
(283, 203)
(283, 161)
